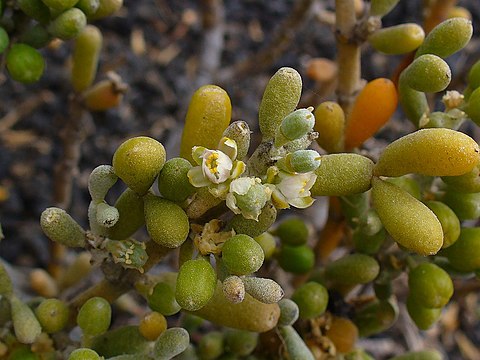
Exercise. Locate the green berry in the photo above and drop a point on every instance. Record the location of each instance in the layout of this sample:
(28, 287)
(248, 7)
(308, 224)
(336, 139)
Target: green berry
(173, 182)
(466, 183)
(24, 63)
(196, 283)
(138, 161)
(52, 314)
(428, 73)
(312, 299)
(68, 25)
(430, 285)
(242, 255)
(94, 316)
(464, 254)
(296, 259)
(167, 223)
(292, 231)
(465, 206)
(353, 269)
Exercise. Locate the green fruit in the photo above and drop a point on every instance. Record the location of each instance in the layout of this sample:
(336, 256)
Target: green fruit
(163, 299)
(131, 215)
(430, 285)
(464, 255)
(342, 174)
(280, 98)
(210, 346)
(292, 231)
(138, 161)
(84, 354)
(399, 39)
(410, 223)
(312, 299)
(447, 38)
(465, 206)
(422, 316)
(432, 152)
(242, 255)
(173, 182)
(94, 316)
(167, 223)
(68, 25)
(123, 340)
(241, 342)
(428, 73)
(170, 343)
(52, 314)
(353, 269)
(289, 312)
(294, 344)
(196, 283)
(448, 220)
(24, 63)
(296, 259)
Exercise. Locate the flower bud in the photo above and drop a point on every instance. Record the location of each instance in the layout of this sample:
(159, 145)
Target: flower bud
(106, 215)
(264, 290)
(234, 289)
(303, 161)
(294, 126)
(240, 133)
(101, 179)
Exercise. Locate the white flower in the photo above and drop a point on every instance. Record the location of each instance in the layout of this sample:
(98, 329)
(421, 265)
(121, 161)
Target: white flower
(216, 166)
(294, 189)
(248, 196)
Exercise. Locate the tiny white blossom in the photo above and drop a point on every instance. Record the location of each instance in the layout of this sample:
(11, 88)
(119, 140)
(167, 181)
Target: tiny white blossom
(294, 189)
(216, 166)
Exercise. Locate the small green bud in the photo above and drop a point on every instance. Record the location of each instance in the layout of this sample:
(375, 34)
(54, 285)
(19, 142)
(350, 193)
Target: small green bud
(295, 346)
(167, 223)
(240, 342)
(399, 39)
(162, 299)
(280, 98)
(312, 299)
(210, 346)
(68, 25)
(382, 7)
(295, 125)
(296, 259)
(170, 343)
(84, 354)
(234, 289)
(289, 312)
(196, 283)
(101, 179)
(342, 174)
(123, 340)
(131, 215)
(26, 326)
(242, 255)
(292, 231)
(60, 227)
(268, 244)
(239, 131)
(264, 290)
(173, 182)
(138, 161)
(428, 73)
(52, 314)
(447, 38)
(430, 285)
(353, 269)
(24, 63)
(301, 161)
(94, 316)
(248, 197)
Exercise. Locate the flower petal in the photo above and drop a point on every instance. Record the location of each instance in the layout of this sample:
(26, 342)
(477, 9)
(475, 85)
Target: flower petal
(196, 178)
(241, 186)
(229, 147)
(301, 203)
(197, 154)
(239, 168)
(231, 203)
(278, 200)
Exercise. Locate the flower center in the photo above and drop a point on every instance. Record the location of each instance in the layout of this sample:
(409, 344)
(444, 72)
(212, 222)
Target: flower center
(212, 163)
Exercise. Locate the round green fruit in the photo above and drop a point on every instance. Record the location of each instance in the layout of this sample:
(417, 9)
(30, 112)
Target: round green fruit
(312, 299)
(296, 259)
(24, 63)
(242, 255)
(430, 285)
